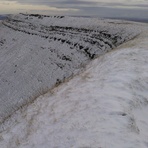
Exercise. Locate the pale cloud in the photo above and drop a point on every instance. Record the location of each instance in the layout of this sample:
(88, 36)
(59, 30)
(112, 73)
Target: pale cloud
(119, 1)
(16, 7)
(86, 3)
(143, 4)
(133, 4)
(103, 8)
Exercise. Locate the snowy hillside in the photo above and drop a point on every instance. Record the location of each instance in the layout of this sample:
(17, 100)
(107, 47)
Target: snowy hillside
(105, 106)
(38, 52)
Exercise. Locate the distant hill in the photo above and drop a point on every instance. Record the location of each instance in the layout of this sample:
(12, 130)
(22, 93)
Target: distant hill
(143, 20)
(2, 17)
(134, 19)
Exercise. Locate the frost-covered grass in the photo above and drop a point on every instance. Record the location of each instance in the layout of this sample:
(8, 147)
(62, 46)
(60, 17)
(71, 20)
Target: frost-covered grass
(38, 52)
(104, 107)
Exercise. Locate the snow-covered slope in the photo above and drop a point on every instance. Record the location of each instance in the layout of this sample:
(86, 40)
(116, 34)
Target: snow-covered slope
(37, 52)
(106, 106)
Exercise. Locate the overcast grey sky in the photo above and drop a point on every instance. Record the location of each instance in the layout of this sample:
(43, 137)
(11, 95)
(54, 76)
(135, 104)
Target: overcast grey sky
(100, 8)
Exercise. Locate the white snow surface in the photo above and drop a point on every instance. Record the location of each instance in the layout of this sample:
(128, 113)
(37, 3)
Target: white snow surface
(105, 106)
(37, 52)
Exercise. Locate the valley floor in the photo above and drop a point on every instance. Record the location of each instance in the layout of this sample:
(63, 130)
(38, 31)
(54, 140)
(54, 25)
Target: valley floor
(104, 107)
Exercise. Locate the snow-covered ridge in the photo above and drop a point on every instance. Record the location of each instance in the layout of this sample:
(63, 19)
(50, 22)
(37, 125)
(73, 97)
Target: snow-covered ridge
(38, 52)
(93, 31)
(106, 106)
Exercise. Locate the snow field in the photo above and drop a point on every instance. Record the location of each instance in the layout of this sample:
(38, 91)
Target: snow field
(105, 106)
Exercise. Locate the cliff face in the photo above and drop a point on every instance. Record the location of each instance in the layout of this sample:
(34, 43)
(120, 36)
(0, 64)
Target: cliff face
(37, 52)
